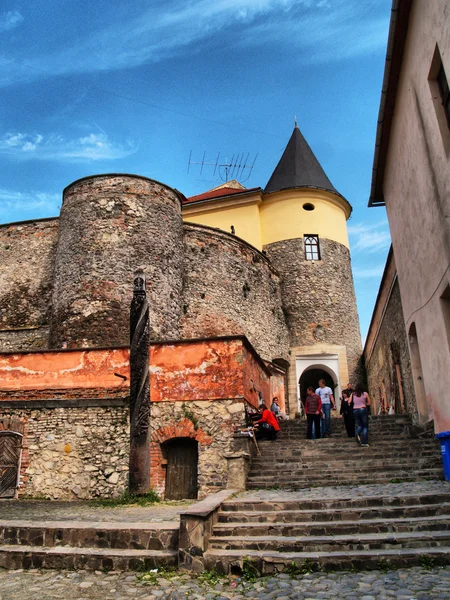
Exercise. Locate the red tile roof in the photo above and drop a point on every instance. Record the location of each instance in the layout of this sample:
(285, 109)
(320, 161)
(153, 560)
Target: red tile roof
(224, 191)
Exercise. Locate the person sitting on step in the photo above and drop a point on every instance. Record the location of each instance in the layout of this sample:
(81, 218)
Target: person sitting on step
(267, 425)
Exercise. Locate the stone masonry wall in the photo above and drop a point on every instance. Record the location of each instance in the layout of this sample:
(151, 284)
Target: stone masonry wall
(211, 423)
(109, 226)
(73, 453)
(27, 252)
(391, 345)
(231, 288)
(318, 297)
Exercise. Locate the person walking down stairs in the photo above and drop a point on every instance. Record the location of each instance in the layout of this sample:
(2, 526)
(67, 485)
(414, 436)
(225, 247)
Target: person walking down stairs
(313, 410)
(347, 413)
(361, 402)
(328, 403)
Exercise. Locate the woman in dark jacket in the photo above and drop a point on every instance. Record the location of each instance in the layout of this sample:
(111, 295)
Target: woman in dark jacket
(347, 413)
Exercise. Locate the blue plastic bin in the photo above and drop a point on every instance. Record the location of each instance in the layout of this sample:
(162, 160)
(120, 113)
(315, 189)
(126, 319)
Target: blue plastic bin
(444, 440)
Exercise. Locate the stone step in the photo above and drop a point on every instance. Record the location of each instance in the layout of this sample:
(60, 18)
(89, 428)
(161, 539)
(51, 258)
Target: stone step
(307, 464)
(346, 443)
(329, 543)
(303, 464)
(343, 502)
(266, 563)
(367, 476)
(334, 514)
(333, 528)
(59, 557)
(308, 484)
(133, 536)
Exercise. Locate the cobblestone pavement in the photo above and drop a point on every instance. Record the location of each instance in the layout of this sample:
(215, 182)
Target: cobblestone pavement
(353, 491)
(51, 510)
(406, 584)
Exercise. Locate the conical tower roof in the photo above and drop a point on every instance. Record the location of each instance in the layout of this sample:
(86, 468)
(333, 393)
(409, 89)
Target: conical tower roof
(298, 168)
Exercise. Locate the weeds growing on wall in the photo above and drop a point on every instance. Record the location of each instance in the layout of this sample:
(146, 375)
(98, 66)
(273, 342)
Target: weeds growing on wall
(127, 498)
(188, 414)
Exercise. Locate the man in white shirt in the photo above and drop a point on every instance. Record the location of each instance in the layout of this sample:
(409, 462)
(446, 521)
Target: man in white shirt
(326, 395)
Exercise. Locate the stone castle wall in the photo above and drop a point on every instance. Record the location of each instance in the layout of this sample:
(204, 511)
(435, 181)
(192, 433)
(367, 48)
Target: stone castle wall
(109, 226)
(72, 453)
(27, 252)
(83, 452)
(201, 282)
(211, 424)
(318, 297)
(391, 346)
(231, 288)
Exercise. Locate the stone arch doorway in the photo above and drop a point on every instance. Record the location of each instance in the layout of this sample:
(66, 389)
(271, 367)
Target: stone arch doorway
(10, 454)
(181, 455)
(311, 376)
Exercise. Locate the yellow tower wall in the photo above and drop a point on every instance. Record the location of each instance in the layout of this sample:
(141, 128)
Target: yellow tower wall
(284, 218)
(243, 215)
(264, 219)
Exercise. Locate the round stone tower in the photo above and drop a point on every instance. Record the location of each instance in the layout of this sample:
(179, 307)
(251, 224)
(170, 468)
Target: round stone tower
(110, 225)
(303, 219)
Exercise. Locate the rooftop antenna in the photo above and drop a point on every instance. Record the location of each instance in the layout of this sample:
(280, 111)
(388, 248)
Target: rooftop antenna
(238, 167)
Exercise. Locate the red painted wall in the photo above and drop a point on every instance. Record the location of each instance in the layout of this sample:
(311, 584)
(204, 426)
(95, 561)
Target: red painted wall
(220, 368)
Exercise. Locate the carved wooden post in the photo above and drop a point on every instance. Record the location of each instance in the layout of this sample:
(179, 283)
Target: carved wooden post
(139, 478)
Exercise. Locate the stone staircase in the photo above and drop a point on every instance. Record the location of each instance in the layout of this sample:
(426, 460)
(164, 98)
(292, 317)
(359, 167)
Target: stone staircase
(372, 528)
(341, 533)
(295, 524)
(299, 463)
(92, 546)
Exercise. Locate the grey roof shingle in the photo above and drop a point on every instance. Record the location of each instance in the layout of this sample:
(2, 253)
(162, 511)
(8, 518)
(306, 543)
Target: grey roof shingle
(298, 168)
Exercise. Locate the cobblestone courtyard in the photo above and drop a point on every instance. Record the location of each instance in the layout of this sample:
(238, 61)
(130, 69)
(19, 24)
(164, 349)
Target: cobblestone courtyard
(405, 584)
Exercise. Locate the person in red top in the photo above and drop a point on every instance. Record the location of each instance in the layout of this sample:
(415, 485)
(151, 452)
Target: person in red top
(268, 424)
(313, 408)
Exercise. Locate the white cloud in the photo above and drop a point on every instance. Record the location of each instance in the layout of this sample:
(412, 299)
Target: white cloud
(314, 29)
(10, 19)
(15, 205)
(369, 239)
(95, 146)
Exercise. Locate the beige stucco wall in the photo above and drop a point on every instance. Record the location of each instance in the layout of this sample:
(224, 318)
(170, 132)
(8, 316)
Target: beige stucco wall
(316, 350)
(417, 194)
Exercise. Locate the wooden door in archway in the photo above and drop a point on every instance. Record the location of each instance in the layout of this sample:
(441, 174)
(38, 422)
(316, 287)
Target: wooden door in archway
(10, 449)
(181, 474)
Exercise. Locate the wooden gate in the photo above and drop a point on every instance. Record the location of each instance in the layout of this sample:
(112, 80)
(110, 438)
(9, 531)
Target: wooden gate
(10, 449)
(181, 475)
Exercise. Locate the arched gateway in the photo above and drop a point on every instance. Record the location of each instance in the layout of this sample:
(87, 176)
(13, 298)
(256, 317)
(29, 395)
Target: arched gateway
(311, 369)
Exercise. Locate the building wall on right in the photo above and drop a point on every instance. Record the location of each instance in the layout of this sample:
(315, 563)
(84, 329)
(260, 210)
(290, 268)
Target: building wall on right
(387, 360)
(413, 178)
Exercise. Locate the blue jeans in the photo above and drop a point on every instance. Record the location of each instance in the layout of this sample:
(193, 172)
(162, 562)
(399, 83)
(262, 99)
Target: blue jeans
(362, 423)
(327, 421)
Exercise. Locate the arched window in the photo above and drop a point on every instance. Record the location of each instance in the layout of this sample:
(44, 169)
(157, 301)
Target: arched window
(312, 251)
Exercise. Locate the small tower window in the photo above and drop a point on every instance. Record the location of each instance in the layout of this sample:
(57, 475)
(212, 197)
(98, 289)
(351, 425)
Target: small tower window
(312, 251)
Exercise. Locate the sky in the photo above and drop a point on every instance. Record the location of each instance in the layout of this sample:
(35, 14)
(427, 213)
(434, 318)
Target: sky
(139, 87)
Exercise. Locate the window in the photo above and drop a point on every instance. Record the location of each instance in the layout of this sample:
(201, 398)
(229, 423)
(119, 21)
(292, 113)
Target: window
(444, 91)
(312, 247)
(438, 82)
